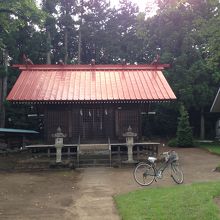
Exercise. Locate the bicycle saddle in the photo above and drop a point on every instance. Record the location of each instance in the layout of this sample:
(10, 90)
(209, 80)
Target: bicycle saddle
(152, 159)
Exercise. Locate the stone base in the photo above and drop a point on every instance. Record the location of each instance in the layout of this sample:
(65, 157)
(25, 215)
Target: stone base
(62, 165)
(130, 162)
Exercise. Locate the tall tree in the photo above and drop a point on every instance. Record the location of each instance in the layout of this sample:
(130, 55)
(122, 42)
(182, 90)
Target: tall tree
(49, 6)
(93, 30)
(176, 30)
(13, 14)
(81, 9)
(3, 87)
(123, 42)
(66, 23)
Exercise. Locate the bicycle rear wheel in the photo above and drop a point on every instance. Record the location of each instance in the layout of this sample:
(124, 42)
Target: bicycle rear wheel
(144, 174)
(176, 172)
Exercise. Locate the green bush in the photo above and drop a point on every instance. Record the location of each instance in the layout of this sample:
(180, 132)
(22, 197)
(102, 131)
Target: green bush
(184, 131)
(172, 142)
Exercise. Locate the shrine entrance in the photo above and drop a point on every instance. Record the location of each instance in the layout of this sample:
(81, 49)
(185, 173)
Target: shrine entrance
(92, 123)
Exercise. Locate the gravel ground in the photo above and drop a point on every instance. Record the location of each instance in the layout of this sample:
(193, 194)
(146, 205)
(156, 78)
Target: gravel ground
(87, 193)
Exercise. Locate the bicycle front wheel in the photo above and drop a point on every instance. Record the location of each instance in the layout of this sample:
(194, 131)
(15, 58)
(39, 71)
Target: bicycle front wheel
(144, 174)
(176, 172)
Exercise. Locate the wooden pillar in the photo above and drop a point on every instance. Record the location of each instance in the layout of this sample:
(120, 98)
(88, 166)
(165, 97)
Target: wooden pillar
(110, 152)
(78, 152)
(68, 152)
(138, 152)
(119, 153)
(48, 152)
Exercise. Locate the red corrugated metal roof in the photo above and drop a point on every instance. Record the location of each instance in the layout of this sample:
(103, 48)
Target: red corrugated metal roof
(83, 83)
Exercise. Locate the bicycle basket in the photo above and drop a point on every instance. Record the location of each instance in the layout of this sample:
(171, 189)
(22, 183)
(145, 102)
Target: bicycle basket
(166, 156)
(173, 156)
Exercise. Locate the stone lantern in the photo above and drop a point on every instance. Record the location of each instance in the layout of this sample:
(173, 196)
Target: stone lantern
(59, 144)
(129, 135)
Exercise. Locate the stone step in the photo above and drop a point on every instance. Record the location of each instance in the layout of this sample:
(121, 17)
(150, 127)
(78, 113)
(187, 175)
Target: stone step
(94, 146)
(43, 165)
(94, 149)
(94, 163)
(32, 166)
(94, 154)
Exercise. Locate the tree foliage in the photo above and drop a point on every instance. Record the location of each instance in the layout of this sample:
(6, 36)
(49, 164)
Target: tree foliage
(15, 14)
(185, 34)
(181, 30)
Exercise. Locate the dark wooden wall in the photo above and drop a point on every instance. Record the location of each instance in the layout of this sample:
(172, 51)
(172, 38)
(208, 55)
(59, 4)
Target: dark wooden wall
(91, 122)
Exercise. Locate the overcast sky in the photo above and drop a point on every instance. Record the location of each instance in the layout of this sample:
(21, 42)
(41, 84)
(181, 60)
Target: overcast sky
(141, 3)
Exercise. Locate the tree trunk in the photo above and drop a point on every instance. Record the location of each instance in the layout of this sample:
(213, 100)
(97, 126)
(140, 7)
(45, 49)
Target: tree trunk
(80, 33)
(4, 89)
(79, 45)
(65, 46)
(49, 45)
(202, 124)
(1, 100)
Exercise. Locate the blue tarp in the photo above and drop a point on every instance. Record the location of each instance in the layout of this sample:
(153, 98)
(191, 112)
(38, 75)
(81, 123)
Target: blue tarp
(18, 131)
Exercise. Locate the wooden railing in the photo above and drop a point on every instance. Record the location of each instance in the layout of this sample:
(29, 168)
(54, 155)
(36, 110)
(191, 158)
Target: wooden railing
(117, 151)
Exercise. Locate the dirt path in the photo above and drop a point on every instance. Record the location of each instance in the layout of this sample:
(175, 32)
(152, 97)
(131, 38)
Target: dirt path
(94, 195)
(45, 195)
(86, 193)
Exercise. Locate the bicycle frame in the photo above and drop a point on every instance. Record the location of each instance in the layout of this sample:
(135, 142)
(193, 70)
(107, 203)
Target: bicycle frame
(147, 172)
(162, 167)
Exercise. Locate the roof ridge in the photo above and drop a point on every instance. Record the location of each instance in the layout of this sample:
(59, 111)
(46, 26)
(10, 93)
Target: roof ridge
(92, 67)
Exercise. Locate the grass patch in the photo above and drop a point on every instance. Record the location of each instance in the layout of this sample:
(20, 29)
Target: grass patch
(211, 147)
(185, 202)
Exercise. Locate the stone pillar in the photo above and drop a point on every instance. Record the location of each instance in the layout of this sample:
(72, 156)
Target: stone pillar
(129, 135)
(59, 144)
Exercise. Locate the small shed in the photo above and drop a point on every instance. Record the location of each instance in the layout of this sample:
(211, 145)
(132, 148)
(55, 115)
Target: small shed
(15, 138)
(216, 109)
(216, 103)
(91, 102)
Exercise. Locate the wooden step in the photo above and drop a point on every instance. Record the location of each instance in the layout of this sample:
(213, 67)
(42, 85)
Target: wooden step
(94, 149)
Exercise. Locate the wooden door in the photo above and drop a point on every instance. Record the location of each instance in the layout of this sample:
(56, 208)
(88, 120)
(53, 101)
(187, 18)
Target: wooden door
(92, 123)
(125, 118)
